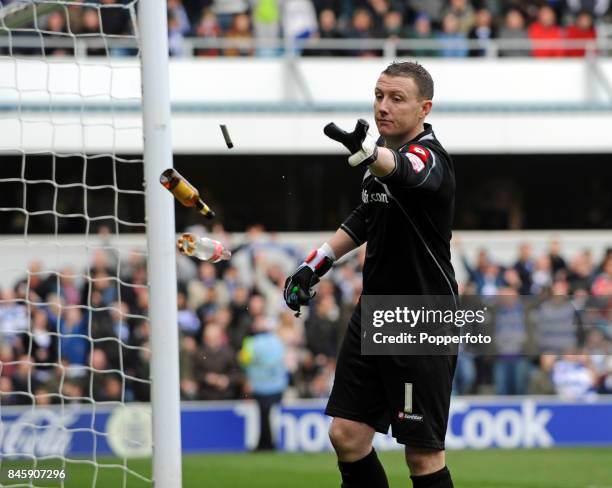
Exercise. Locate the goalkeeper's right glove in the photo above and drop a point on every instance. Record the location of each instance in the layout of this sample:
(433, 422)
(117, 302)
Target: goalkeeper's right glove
(298, 287)
(360, 143)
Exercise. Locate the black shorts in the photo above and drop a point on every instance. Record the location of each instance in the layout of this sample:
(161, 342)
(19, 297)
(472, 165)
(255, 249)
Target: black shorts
(409, 393)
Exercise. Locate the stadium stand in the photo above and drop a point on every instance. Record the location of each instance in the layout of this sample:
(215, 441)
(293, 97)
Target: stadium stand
(222, 305)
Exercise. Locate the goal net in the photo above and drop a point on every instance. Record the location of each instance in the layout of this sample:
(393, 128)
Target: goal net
(74, 310)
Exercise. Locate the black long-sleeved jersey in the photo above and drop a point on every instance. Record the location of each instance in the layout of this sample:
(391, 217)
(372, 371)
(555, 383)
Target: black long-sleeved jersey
(406, 219)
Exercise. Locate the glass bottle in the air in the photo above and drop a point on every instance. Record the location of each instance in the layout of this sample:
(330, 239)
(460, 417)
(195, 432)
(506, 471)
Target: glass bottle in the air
(184, 192)
(203, 248)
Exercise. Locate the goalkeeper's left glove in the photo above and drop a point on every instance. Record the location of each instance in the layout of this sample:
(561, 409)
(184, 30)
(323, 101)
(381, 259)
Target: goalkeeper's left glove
(360, 142)
(298, 287)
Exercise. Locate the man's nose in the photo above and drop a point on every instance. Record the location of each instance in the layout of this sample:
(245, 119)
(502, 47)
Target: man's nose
(382, 106)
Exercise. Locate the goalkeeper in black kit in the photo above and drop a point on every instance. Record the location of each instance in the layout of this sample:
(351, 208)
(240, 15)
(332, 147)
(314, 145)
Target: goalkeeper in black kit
(405, 217)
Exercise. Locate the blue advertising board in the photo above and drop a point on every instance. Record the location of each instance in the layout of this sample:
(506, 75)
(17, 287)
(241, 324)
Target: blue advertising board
(475, 423)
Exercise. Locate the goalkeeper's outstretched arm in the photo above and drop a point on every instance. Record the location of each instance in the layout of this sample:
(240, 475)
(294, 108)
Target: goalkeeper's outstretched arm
(341, 243)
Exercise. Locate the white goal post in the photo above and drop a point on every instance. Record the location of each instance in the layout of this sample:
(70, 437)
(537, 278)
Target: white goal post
(165, 395)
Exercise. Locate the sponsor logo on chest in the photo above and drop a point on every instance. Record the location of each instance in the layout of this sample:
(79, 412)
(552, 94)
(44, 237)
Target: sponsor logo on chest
(367, 197)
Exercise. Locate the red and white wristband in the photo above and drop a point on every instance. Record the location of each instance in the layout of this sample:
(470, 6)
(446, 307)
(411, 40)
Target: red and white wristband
(320, 260)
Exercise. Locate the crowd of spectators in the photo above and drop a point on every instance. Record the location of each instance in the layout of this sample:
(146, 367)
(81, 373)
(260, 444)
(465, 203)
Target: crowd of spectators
(453, 23)
(83, 337)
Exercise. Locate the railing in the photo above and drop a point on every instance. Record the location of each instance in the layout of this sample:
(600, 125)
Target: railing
(82, 46)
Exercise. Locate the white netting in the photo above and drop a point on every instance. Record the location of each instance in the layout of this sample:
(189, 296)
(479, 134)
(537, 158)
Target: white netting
(74, 334)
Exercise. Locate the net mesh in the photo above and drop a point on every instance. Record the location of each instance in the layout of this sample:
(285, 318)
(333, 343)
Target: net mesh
(74, 334)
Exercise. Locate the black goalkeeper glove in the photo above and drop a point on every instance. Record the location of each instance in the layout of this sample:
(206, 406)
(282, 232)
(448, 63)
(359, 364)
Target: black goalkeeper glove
(360, 142)
(298, 287)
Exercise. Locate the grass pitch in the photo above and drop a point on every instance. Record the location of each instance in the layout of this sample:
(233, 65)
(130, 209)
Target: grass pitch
(527, 468)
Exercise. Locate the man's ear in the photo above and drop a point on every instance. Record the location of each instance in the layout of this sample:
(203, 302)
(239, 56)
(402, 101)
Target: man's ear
(425, 108)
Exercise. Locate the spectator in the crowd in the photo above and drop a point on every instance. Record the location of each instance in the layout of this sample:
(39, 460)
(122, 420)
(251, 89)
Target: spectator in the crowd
(513, 31)
(240, 32)
(101, 321)
(463, 12)
(189, 385)
(115, 336)
(555, 321)
(207, 291)
(227, 10)
(142, 387)
(7, 359)
(22, 379)
(422, 30)
(598, 348)
(546, 30)
(483, 31)
(37, 282)
(105, 284)
(42, 396)
(392, 26)
(291, 332)
(68, 289)
(361, 28)
(40, 337)
(453, 41)
(13, 317)
(208, 28)
(113, 389)
(115, 19)
(299, 20)
(321, 327)
(378, 9)
(588, 313)
(581, 30)
(10, 386)
(188, 321)
(263, 357)
(268, 279)
(557, 261)
(511, 368)
(574, 377)
(487, 276)
(524, 266)
(542, 277)
(176, 9)
(176, 37)
(231, 279)
(73, 342)
(266, 24)
(73, 391)
(328, 29)
(74, 22)
(215, 366)
(8, 396)
(240, 323)
(56, 25)
(99, 367)
(602, 284)
(580, 273)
